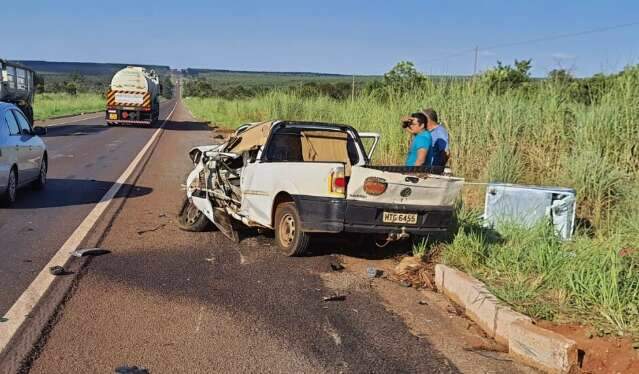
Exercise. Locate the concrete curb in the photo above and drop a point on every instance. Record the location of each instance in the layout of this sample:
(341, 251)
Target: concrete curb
(526, 342)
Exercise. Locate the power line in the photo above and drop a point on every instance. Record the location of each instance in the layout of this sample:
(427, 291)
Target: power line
(536, 40)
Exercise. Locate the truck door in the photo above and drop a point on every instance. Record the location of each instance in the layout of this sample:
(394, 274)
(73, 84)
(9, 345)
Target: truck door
(32, 147)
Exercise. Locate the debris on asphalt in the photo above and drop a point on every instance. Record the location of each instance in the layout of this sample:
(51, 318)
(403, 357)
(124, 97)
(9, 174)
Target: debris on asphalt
(131, 370)
(414, 271)
(406, 283)
(374, 272)
(336, 266)
(57, 270)
(335, 297)
(90, 252)
(140, 232)
(2, 319)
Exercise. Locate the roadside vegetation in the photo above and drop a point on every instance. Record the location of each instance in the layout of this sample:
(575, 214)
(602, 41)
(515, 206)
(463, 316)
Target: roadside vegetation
(49, 105)
(507, 127)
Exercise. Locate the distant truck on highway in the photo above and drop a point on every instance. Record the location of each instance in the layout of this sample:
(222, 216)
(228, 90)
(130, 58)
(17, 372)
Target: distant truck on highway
(133, 97)
(17, 86)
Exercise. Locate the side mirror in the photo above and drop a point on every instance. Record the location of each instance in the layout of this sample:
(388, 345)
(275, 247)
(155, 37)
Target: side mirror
(40, 131)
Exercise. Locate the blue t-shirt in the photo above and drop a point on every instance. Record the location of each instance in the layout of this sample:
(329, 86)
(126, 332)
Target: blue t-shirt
(439, 145)
(421, 140)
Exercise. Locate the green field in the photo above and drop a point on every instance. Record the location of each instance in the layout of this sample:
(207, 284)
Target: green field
(224, 79)
(525, 136)
(49, 105)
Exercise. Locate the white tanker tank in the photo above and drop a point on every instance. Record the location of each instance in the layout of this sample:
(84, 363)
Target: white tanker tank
(133, 97)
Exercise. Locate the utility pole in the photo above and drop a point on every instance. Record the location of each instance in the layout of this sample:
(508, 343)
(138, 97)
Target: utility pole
(475, 65)
(353, 90)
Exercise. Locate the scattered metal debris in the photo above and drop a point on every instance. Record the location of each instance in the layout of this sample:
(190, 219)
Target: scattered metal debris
(335, 297)
(90, 252)
(140, 232)
(374, 272)
(406, 283)
(131, 370)
(57, 270)
(336, 266)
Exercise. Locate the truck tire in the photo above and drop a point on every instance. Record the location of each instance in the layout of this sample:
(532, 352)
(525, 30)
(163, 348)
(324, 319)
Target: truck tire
(191, 219)
(9, 196)
(290, 238)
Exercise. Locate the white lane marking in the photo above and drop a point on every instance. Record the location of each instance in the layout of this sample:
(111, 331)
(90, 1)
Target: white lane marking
(21, 309)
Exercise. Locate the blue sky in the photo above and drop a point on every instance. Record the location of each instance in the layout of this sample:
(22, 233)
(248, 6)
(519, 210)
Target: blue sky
(347, 36)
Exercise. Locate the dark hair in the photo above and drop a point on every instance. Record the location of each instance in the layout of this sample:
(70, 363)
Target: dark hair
(431, 113)
(420, 117)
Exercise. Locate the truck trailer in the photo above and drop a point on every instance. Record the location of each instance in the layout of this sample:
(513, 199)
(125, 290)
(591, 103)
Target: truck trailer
(133, 97)
(17, 86)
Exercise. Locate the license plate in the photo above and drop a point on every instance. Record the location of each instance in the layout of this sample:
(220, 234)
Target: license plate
(407, 218)
(113, 116)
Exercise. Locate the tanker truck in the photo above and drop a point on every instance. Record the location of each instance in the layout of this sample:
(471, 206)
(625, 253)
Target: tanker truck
(133, 97)
(17, 86)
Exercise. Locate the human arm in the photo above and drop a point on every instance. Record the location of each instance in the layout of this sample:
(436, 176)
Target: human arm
(422, 153)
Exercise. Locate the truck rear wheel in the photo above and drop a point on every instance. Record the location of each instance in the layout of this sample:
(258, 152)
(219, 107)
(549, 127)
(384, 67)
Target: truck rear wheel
(290, 238)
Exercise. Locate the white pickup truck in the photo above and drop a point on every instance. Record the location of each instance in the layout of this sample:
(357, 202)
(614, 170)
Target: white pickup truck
(299, 178)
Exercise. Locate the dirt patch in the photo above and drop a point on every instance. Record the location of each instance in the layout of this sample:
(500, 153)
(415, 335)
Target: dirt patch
(600, 354)
(427, 314)
(345, 282)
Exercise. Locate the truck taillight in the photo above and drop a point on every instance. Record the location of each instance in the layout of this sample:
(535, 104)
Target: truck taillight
(375, 186)
(337, 181)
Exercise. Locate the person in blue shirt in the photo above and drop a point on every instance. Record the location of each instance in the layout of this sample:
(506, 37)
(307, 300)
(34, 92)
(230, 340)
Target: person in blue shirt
(421, 142)
(439, 152)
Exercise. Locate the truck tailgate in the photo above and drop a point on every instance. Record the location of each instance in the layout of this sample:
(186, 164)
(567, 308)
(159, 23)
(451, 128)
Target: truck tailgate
(427, 190)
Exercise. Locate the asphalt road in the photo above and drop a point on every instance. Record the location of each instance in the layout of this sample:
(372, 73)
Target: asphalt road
(85, 158)
(181, 302)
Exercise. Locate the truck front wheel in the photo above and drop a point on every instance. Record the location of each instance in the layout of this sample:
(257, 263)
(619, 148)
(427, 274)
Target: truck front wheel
(290, 238)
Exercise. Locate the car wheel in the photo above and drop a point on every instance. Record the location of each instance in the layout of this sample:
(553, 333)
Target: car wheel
(289, 236)
(191, 218)
(39, 183)
(9, 196)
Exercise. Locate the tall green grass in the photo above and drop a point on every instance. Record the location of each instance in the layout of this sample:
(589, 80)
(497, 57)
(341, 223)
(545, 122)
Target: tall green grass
(49, 105)
(535, 137)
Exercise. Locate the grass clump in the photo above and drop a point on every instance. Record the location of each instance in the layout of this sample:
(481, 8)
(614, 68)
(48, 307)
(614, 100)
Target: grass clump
(584, 280)
(49, 105)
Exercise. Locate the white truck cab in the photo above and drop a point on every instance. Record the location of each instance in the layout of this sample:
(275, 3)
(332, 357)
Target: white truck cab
(299, 178)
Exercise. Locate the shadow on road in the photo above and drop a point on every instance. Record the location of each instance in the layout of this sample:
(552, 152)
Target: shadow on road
(186, 126)
(67, 192)
(358, 246)
(74, 130)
